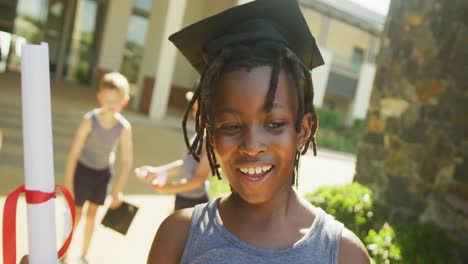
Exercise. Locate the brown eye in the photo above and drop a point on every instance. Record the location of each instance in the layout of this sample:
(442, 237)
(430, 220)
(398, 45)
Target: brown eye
(230, 127)
(276, 125)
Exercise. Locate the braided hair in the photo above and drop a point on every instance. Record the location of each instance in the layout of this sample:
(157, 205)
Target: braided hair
(249, 56)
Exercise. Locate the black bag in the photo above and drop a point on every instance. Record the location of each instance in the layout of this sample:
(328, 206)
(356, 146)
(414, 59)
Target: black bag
(119, 219)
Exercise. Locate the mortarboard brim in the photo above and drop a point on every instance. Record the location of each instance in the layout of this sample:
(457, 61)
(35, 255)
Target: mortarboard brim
(261, 20)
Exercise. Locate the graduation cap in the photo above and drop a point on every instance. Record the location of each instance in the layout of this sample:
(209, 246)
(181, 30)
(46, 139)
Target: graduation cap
(261, 20)
(120, 219)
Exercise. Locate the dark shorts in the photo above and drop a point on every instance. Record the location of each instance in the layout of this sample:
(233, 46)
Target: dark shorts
(183, 202)
(90, 184)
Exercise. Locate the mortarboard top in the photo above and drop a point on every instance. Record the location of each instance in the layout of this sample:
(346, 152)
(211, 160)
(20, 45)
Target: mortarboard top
(120, 218)
(260, 20)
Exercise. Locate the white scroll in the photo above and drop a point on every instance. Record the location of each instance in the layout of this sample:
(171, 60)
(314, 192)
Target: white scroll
(38, 151)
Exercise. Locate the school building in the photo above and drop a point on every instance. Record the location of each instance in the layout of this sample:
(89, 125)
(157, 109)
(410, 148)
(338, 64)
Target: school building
(90, 37)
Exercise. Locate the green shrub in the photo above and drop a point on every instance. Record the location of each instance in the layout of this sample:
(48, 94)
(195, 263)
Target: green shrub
(328, 118)
(414, 243)
(382, 245)
(218, 187)
(336, 140)
(359, 124)
(331, 135)
(82, 72)
(351, 204)
(425, 243)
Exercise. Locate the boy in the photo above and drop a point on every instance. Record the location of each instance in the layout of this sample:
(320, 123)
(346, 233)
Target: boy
(255, 107)
(92, 153)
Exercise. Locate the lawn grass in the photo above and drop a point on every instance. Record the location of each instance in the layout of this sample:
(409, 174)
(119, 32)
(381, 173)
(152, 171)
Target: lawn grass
(218, 188)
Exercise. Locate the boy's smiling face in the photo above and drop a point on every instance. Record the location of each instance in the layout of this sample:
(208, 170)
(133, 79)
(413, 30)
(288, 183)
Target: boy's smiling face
(256, 148)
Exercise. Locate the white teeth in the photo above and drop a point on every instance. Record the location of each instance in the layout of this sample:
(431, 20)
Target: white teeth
(256, 170)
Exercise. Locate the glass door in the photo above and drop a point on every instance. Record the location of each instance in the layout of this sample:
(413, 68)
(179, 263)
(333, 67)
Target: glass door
(28, 27)
(85, 38)
(55, 31)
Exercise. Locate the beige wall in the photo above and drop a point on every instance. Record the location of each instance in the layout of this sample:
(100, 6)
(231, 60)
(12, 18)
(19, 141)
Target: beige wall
(214, 7)
(343, 38)
(314, 21)
(184, 74)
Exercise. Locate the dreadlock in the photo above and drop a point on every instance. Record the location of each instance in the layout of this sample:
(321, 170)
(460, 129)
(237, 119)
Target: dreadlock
(248, 57)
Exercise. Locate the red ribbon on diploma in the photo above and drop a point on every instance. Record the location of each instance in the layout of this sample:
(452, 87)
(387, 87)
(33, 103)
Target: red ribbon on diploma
(9, 219)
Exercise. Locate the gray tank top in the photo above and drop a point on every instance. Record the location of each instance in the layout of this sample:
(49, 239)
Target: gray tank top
(210, 242)
(99, 148)
(189, 167)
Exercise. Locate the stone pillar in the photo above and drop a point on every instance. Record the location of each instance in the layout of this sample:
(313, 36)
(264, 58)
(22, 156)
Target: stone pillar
(114, 36)
(320, 77)
(166, 59)
(149, 63)
(414, 154)
(360, 101)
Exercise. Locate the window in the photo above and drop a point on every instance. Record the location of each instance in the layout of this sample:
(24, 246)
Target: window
(28, 28)
(357, 59)
(144, 5)
(136, 38)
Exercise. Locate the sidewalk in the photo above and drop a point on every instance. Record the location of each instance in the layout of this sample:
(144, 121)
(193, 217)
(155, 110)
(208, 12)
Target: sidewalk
(107, 246)
(155, 142)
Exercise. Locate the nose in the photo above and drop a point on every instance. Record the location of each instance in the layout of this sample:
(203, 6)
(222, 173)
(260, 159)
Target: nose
(252, 142)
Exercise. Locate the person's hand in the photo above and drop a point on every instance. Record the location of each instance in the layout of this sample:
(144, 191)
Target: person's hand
(24, 260)
(160, 189)
(147, 174)
(156, 176)
(116, 201)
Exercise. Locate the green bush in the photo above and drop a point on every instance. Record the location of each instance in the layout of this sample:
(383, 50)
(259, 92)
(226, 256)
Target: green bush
(218, 187)
(351, 204)
(334, 136)
(82, 72)
(336, 141)
(425, 243)
(359, 124)
(329, 118)
(414, 243)
(382, 245)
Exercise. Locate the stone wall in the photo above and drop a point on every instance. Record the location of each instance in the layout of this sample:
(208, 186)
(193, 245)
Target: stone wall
(414, 153)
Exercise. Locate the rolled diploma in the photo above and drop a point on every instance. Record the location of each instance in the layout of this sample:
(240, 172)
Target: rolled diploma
(38, 151)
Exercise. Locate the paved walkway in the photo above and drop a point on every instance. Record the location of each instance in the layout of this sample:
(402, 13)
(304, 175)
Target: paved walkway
(155, 142)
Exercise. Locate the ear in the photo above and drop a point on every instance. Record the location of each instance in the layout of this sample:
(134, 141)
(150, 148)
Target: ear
(305, 130)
